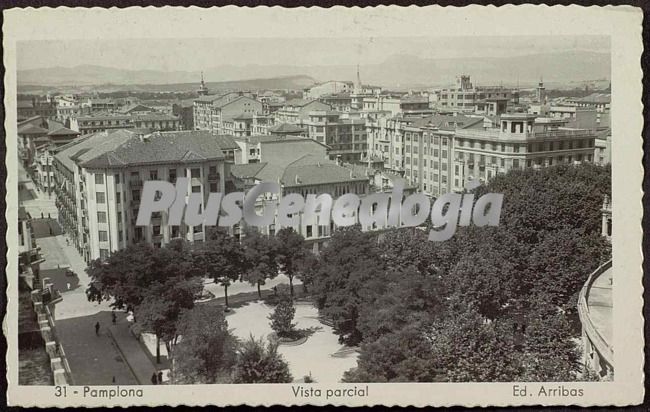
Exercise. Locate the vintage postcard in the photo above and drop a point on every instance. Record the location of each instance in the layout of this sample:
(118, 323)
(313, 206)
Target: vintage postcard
(351, 206)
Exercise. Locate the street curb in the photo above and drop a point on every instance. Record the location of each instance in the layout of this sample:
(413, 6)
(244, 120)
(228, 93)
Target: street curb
(110, 332)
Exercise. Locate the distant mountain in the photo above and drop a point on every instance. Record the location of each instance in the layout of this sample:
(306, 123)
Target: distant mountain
(396, 71)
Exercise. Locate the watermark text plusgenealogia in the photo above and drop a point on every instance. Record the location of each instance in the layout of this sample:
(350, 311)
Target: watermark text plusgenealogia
(382, 209)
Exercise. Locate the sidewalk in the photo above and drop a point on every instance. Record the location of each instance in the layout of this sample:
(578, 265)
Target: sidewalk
(131, 350)
(93, 360)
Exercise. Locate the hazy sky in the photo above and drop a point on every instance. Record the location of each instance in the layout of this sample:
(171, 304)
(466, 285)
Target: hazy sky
(198, 54)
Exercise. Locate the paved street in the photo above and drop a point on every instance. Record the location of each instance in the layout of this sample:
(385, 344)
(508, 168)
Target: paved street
(93, 359)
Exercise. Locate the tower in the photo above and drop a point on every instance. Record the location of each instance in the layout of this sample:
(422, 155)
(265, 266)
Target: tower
(203, 90)
(541, 91)
(358, 88)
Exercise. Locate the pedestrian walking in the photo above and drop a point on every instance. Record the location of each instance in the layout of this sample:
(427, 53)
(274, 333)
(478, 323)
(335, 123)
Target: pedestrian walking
(113, 379)
(51, 233)
(160, 378)
(68, 285)
(97, 328)
(42, 217)
(67, 242)
(48, 215)
(114, 317)
(154, 379)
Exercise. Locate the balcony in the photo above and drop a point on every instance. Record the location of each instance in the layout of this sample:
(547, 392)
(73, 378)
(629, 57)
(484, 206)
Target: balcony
(213, 177)
(135, 203)
(135, 183)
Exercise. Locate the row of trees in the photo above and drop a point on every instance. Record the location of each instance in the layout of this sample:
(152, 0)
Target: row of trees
(158, 284)
(491, 304)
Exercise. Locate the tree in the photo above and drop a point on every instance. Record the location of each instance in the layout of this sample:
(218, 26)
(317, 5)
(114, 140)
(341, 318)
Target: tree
(291, 250)
(260, 252)
(550, 354)
(157, 283)
(349, 265)
(259, 363)
(400, 356)
(469, 349)
(222, 258)
(282, 318)
(207, 350)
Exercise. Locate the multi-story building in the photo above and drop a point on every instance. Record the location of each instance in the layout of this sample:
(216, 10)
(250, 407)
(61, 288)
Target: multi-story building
(387, 138)
(521, 140)
(599, 101)
(35, 107)
(100, 122)
(464, 97)
(296, 111)
(262, 124)
(275, 149)
(308, 174)
(347, 137)
(67, 106)
(161, 122)
(99, 105)
(184, 109)
(99, 180)
(211, 110)
(341, 102)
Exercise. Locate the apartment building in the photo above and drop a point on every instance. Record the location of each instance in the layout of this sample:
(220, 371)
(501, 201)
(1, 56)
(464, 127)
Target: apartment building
(465, 96)
(99, 180)
(341, 102)
(100, 122)
(346, 136)
(521, 140)
(307, 174)
(210, 111)
(296, 111)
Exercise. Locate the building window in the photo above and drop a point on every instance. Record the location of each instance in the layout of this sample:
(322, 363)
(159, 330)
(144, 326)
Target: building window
(195, 172)
(100, 197)
(117, 179)
(214, 187)
(196, 189)
(309, 231)
(118, 198)
(103, 236)
(103, 254)
(153, 175)
(135, 195)
(101, 217)
(156, 230)
(172, 175)
(99, 179)
(119, 217)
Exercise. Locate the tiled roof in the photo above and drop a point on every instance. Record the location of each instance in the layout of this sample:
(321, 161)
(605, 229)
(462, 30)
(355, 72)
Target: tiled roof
(274, 138)
(299, 102)
(91, 146)
(598, 98)
(226, 142)
(132, 107)
(317, 174)
(31, 130)
(153, 117)
(160, 147)
(286, 128)
(247, 170)
(447, 122)
(63, 131)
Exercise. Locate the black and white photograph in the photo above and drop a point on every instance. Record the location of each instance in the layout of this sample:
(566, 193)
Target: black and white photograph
(323, 212)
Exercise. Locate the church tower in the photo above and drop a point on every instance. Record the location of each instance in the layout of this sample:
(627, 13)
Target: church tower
(541, 91)
(203, 90)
